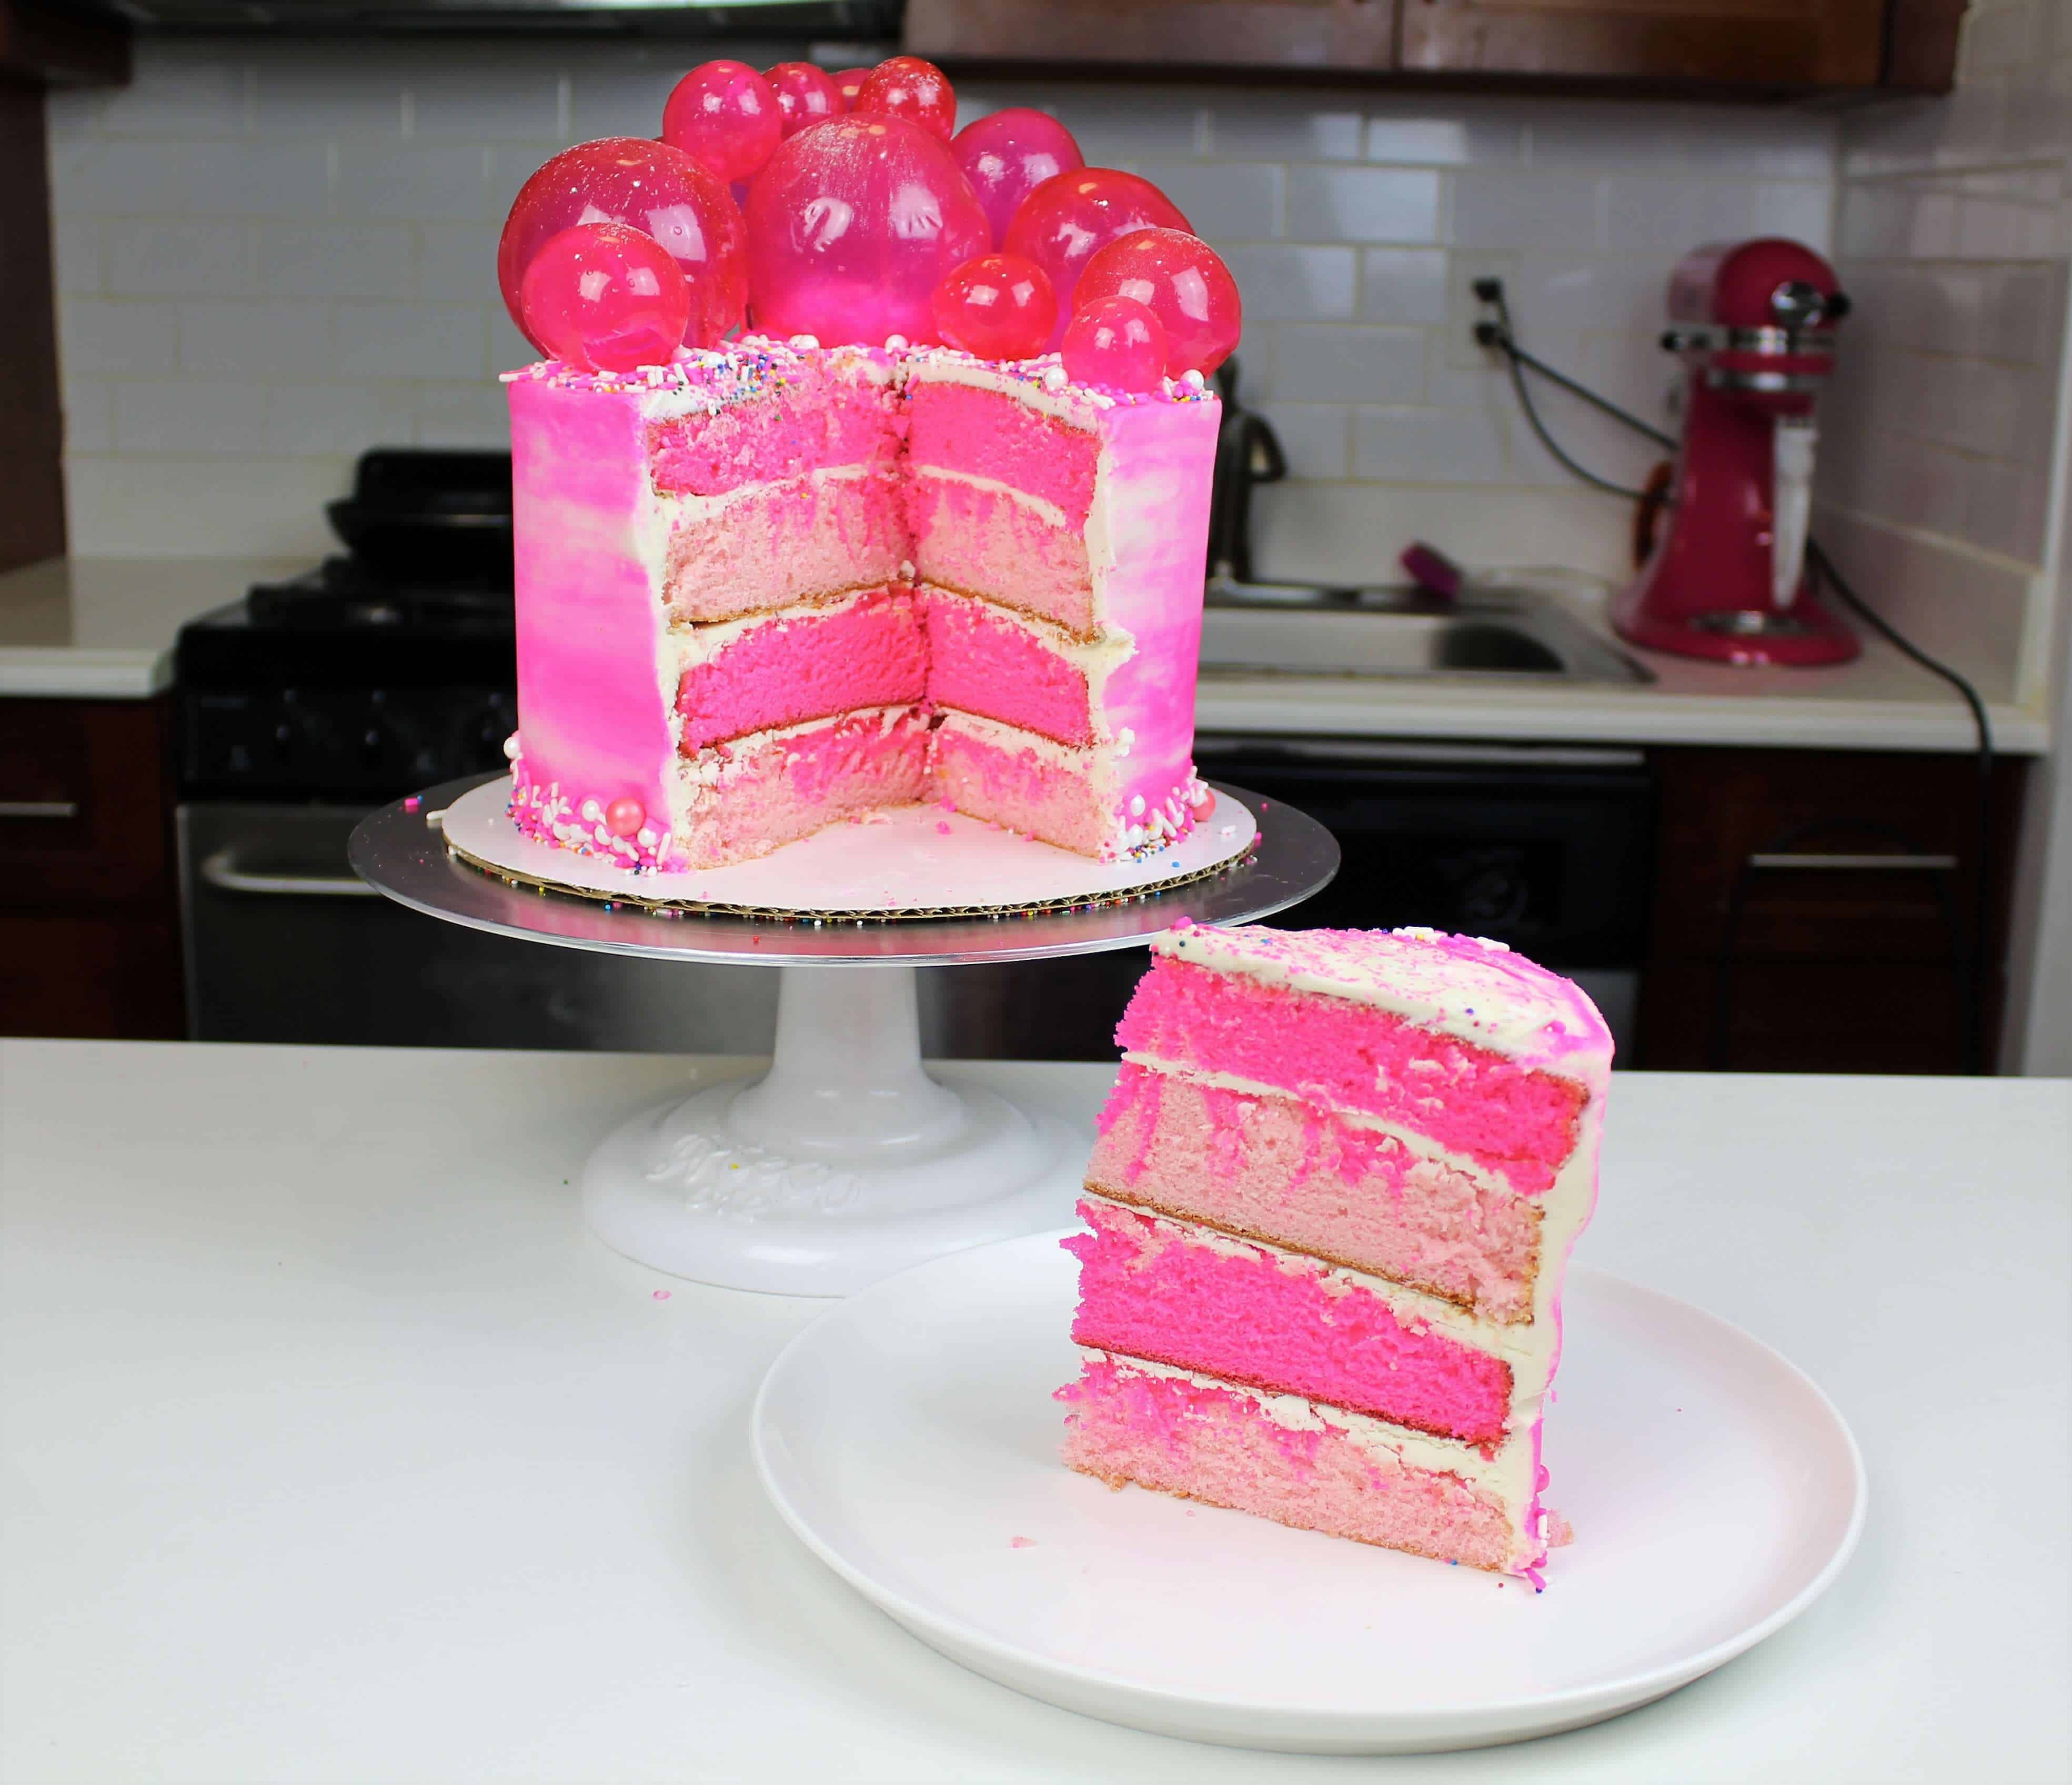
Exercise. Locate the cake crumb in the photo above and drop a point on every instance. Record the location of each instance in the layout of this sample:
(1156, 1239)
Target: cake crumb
(661, 1295)
(1020, 1542)
(943, 829)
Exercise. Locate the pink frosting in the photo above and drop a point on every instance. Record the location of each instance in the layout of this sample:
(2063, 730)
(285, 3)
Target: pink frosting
(1251, 1316)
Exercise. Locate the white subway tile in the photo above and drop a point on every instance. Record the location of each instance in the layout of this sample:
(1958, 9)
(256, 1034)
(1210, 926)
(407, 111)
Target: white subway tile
(458, 261)
(506, 103)
(508, 350)
(255, 340)
(1552, 296)
(71, 116)
(1224, 201)
(96, 336)
(315, 420)
(1402, 284)
(1427, 446)
(240, 179)
(357, 92)
(2023, 317)
(413, 340)
(1600, 444)
(267, 507)
(336, 260)
(1334, 364)
(1667, 218)
(177, 260)
(1363, 204)
(423, 183)
(76, 254)
(1802, 210)
(1265, 125)
(1125, 126)
(620, 100)
(1871, 220)
(2006, 508)
(1771, 142)
(89, 416)
(1515, 210)
(179, 90)
(1314, 437)
(1301, 285)
(1463, 133)
(206, 416)
(1608, 135)
(476, 414)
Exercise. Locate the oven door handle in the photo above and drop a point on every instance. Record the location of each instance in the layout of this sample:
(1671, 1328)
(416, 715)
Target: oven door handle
(221, 870)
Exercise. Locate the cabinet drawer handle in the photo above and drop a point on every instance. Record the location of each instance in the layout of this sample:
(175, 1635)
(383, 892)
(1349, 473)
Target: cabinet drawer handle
(38, 809)
(1886, 864)
(221, 870)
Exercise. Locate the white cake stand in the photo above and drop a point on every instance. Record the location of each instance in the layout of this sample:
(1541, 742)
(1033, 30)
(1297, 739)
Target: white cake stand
(846, 1160)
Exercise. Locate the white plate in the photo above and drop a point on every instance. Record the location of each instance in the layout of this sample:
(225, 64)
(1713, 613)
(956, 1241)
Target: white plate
(909, 859)
(909, 1437)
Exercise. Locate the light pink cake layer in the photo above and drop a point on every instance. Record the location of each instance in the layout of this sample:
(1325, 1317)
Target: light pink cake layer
(807, 663)
(1154, 1290)
(791, 542)
(987, 433)
(1337, 1052)
(982, 662)
(1277, 1168)
(983, 542)
(1219, 1446)
(767, 794)
(818, 411)
(1026, 789)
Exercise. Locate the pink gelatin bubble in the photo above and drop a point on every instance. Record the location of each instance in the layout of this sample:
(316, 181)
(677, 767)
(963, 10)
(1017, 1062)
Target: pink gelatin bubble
(606, 298)
(850, 81)
(852, 227)
(650, 186)
(1183, 281)
(1006, 155)
(1116, 342)
(1071, 217)
(999, 307)
(724, 115)
(625, 815)
(805, 95)
(905, 86)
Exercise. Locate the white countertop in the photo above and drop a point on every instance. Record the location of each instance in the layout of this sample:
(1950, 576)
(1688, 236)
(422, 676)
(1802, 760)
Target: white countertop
(334, 1449)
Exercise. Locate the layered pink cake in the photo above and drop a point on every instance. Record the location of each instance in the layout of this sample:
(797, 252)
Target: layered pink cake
(769, 587)
(1327, 1218)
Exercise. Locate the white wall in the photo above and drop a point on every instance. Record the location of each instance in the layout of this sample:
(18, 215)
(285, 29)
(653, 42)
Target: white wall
(272, 255)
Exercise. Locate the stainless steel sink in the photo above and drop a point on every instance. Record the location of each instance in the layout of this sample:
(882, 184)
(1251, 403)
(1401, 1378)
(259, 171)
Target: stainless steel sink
(1308, 629)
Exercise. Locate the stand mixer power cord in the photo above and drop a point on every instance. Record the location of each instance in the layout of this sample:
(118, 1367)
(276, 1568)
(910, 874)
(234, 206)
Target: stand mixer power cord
(1499, 335)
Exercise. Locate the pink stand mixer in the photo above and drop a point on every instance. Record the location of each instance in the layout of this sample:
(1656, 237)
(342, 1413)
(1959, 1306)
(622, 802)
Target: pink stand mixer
(1753, 323)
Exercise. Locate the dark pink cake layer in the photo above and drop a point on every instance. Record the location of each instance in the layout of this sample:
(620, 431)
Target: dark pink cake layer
(983, 542)
(813, 421)
(1277, 1168)
(789, 543)
(982, 662)
(1220, 1446)
(1241, 1313)
(807, 665)
(1339, 1052)
(983, 433)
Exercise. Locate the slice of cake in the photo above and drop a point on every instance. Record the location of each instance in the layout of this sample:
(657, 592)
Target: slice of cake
(768, 587)
(1329, 1211)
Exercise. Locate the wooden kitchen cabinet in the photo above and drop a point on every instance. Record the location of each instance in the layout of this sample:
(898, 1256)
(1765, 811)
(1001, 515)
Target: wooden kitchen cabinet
(1642, 46)
(1815, 911)
(89, 902)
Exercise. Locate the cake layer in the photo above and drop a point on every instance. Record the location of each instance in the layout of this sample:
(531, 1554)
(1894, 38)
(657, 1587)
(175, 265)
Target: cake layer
(738, 800)
(983, 539)
(1276, 1168)
(1332, 1472)
(1183, 1294)
(1340, 1052)
(995, 434)
(1030, 785)
(763, 412)
(775, 544)
(804, 663)
(984, 659)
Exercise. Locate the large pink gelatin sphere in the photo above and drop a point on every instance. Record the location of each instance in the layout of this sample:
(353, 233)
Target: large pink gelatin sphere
(1116, 342)
(606, 298)
(725, 117)
(850, 81)
(805, 94)
(653, 188)
(1182, 282)
(851, 227)
(1007, 155)
(905, 86)
(998, 306)
(1069, 219)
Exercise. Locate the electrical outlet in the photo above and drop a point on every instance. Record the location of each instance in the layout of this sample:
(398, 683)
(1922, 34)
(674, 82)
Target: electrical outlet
(1464, 310)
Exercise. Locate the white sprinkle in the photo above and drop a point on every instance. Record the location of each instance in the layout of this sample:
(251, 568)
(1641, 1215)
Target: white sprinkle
(1192, 378)
(1137, 805)
(804, 342)
(511, 748)
(895, 342)
(1054, 378)
(592, 812)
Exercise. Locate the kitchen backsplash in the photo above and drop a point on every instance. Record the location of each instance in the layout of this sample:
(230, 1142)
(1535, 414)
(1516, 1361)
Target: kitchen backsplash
(270, 256)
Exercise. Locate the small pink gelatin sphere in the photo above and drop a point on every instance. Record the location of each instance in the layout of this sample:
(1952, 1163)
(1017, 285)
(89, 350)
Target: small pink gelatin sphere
(1007, 155)
(724, 115)
(805, 94)
(622, 817)
(998, 306)
(905, 86)
(850, 81)
(654, 188)
(852, 227)
(1181, 280)
(605, 298)
(1116, 342)
(1069, 219)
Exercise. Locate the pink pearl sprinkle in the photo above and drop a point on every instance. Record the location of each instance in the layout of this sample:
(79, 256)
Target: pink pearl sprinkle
(661, 1295)
(624, 816)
